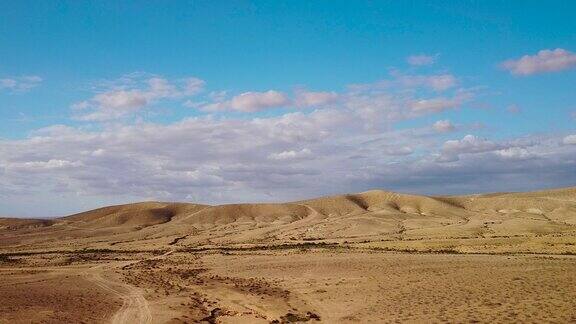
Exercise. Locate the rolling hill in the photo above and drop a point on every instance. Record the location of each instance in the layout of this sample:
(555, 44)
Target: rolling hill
(526, 221)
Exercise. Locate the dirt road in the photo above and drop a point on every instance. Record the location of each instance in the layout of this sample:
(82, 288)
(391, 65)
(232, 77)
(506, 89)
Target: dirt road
(135, 308)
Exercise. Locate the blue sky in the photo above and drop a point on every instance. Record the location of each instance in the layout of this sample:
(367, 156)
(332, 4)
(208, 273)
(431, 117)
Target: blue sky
(107, 102)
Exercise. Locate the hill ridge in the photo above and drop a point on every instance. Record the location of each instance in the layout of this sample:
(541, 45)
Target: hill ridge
(374, 215)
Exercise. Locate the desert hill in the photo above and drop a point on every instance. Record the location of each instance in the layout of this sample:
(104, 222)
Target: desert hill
(353, 258)
(131, 215)
(19, 223)
(530, 221)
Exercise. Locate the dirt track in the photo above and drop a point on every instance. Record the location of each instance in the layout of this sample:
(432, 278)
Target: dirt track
(135, 308)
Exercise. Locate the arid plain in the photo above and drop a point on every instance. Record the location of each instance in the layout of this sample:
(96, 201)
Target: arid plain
(375, 257)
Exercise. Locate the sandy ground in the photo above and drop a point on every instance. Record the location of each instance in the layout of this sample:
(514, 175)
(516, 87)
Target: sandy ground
(330, 285)
(374, 257)
(52, 295)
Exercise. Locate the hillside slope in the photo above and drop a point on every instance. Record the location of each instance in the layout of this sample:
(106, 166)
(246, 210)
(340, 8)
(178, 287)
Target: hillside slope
(380, 218)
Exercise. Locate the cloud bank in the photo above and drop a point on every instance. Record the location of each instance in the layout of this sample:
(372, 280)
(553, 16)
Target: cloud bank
(274, 145)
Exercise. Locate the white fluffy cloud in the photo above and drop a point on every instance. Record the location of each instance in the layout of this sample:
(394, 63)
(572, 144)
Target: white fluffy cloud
(290, 155)
(476, 147)
(255, 101)
(443, 126)
(438, 104)
(452, 149)
(399, 150)
(515, 153)
(133, 93)
(389, 101)
(469, 144)
(39, 166)
(20, 84)
(121, 100)
(294, 156)
(314, 99)
(421, 59)
(399, 97)
(348, 142)
(569, 140)
(250, 102)
(544, 61)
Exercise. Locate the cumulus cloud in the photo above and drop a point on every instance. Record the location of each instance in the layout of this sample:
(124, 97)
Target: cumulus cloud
(192, 86)
(569, 140)
(515, 150)
(439, 82)
(544, 61)
(469, 144)
(346, 143)
(198, 156)
(452, 149)
(438, 104)
(443, 126)
(290, 155)
(212, 159)
(314, 99)
(122, 99)
(421, 59)
(250, 102)
(515, 153)
(293, 156)
(20, 84)
(399, 150)
(38, 166)
(399, 97)
(255, 101)
(446, 158)
(379, 104)
(133, 93)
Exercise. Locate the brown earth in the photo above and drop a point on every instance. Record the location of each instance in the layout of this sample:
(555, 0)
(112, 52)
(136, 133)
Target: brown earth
(375, 257)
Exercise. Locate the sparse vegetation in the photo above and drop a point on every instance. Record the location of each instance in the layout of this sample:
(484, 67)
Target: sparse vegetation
(7, 259)
(285, 246)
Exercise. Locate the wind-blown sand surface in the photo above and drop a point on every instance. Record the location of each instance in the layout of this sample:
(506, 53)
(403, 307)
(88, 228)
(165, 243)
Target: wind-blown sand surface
(375, 257)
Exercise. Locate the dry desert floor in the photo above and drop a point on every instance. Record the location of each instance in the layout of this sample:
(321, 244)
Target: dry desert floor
(372, 257)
